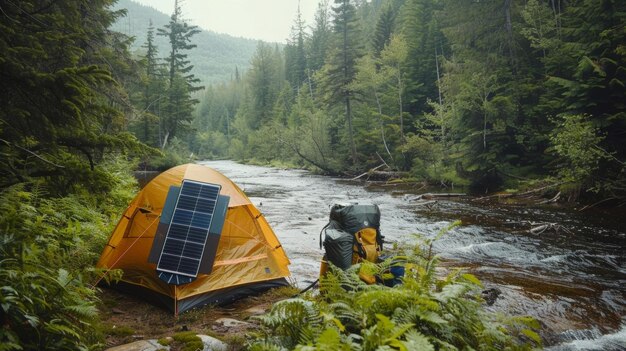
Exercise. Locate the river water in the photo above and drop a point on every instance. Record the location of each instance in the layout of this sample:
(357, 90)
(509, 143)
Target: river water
(572, 280)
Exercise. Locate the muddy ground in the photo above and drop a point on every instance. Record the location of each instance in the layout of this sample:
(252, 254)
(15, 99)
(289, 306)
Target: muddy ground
(126, 318)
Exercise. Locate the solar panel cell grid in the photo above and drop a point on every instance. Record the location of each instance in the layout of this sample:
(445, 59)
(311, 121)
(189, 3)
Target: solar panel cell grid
(187, 202)
(197, 235)
(188, 231)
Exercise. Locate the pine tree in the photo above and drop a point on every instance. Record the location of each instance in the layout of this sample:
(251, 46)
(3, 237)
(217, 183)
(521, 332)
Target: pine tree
(320, 38)
(340, 70)
(420, 28)
(295, 55)
(181, 81)
(384, 29)
(153, 90)
(586, 65)
(265, 81)
(59, 103)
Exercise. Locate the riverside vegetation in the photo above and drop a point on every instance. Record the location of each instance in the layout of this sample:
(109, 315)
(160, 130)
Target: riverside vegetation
(479, 93)
(425, 312)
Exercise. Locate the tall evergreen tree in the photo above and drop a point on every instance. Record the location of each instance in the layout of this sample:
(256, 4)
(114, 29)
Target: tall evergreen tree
(340, 67)
(384, 29)
(181, 81)
(295, 54)
(320, 37)
(421, 31)
(153, 91)
(265, 81)
(59, 103)
(587, 75)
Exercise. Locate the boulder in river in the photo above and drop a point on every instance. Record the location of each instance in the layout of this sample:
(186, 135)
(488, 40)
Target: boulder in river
(490, 295)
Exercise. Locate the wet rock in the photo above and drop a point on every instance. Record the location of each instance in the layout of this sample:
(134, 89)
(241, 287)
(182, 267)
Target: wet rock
(212, 344)
(490, 295)
(256, 310)
(229, 325)
(232, 323)
(141, 345)
(117, 311)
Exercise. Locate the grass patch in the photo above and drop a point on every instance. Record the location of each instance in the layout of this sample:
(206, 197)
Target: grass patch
(165, 341)
(235, 342)
(280, 293)
(187, 341)
(114, 330)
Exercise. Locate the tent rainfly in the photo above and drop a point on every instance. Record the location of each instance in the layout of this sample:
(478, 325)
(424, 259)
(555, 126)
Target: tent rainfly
(191, 237)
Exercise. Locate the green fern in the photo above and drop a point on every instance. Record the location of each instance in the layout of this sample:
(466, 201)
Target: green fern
(425, 312)
(48, 246)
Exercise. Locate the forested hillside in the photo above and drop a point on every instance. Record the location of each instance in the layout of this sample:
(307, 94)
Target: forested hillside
(216, 56)
(479, 93)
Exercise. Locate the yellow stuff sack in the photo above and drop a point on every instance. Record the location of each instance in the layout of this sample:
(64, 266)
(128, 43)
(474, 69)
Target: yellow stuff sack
(365, 249)
(365, 246)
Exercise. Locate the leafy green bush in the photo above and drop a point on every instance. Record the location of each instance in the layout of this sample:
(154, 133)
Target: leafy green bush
(576, 142)
(425, 312)
(48, 246)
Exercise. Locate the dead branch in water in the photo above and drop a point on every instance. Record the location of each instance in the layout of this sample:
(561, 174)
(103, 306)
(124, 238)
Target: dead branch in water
(526, 193)
(597, 203)
(369, 172)
(542, 227)
(429, 196)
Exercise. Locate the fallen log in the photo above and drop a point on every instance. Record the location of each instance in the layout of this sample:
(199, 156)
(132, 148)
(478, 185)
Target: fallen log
(429, 196)
(385, 175)
(524, 194)
(368, 172)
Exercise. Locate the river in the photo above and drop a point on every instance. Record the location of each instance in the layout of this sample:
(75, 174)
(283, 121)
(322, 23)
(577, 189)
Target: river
(572, 280)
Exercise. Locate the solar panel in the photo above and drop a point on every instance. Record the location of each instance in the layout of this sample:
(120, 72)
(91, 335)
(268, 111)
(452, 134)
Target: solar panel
(188, 231)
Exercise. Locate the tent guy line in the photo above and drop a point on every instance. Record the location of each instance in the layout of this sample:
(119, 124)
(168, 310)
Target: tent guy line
(107, 270)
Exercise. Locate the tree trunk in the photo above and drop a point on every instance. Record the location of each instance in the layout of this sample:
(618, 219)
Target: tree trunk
(382, 128)
(167, 134)
(399, 76)
(347, 91)
(509, 28)
(443, 130)
(350, 132)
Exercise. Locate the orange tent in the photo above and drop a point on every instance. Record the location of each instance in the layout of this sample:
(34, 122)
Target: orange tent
(249, 258)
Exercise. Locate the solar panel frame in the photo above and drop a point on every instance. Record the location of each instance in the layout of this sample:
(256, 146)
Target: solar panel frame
(189, 228)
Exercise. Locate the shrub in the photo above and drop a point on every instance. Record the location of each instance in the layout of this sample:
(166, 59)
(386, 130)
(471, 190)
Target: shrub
(48, 245)
(423, 313)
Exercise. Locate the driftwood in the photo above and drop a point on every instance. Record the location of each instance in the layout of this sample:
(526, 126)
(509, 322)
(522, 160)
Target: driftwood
(526, 193)
(388, 174)
(429, 196)
(374, 173)
(541, 227)
(597, 203)
(368, 172)
(426, 203)
(554, 199)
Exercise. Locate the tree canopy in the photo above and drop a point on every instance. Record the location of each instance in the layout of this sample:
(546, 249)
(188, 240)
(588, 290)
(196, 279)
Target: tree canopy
(467, 93)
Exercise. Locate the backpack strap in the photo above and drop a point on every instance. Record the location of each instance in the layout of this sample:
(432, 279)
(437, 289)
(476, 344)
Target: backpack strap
(321, 231)
(358, 244)
(380, 239)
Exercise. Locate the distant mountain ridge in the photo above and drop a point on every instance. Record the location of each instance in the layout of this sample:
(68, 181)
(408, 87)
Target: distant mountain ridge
(215, 57)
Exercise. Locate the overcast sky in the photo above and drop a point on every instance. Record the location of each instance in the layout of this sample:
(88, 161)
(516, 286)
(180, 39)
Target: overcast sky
(268, 20)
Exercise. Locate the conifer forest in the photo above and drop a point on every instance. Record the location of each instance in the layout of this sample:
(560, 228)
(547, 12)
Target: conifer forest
(486, 96)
